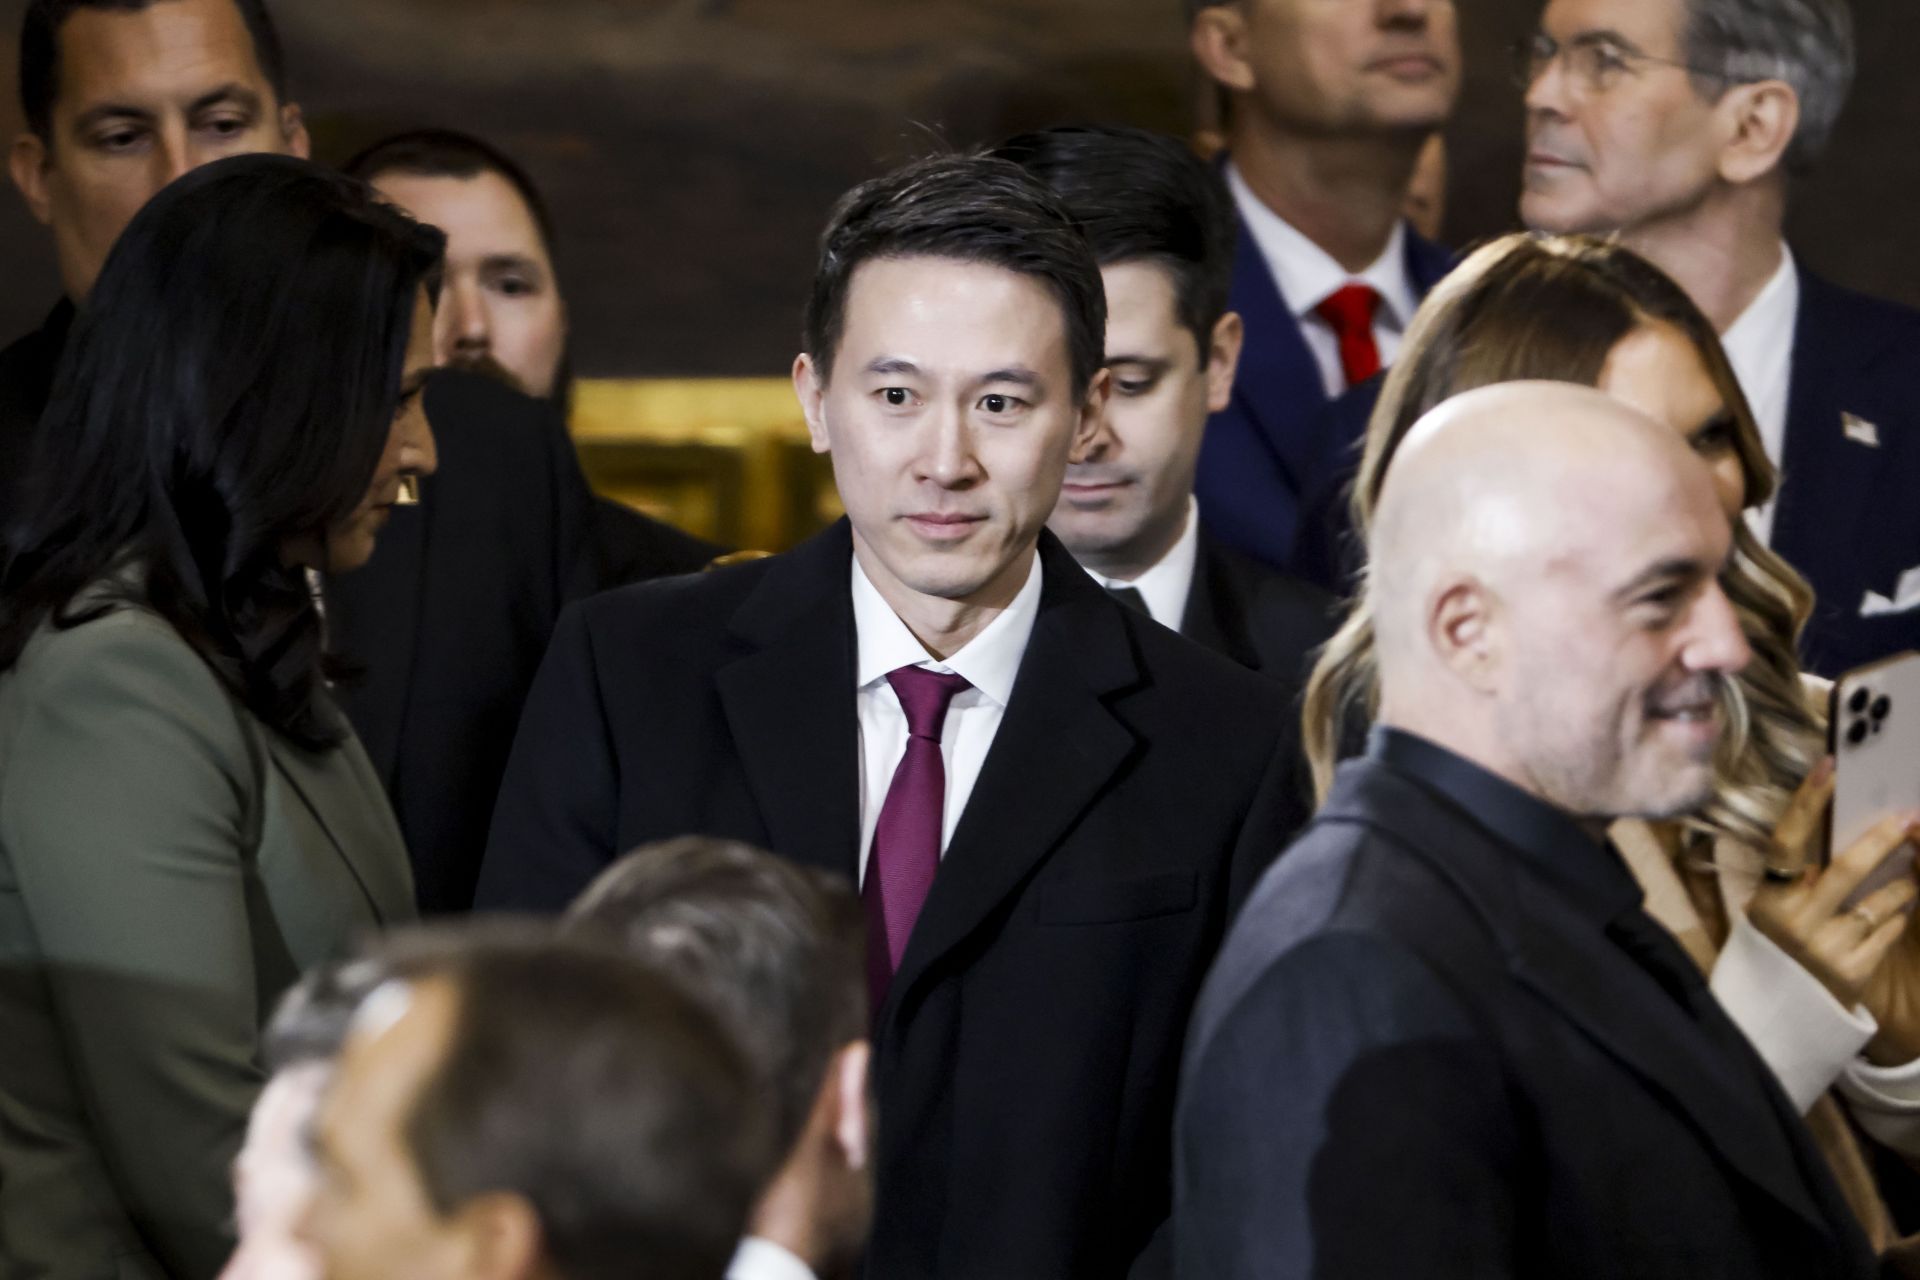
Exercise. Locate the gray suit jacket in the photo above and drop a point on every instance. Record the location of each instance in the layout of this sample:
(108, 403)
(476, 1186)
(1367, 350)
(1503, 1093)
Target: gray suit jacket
(168, 866)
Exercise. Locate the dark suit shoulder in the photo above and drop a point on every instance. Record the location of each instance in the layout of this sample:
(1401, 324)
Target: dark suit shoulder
(633, 547)
(1214, 684)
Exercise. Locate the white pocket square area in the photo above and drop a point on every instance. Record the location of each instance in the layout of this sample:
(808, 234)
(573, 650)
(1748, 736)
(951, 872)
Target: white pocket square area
(1860, 431)
(1906, 597)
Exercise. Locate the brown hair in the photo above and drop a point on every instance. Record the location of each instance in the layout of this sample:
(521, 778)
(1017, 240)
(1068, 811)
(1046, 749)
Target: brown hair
(776, 951)
(1530, 307)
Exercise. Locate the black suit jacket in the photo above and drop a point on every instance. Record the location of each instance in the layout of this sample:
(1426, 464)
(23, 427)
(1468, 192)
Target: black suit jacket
(1026, 1054)
(1420, 1055)
(1261, 618)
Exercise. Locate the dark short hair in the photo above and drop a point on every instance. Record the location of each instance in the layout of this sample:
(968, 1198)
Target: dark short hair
(445, 153)
(40, 51)
(777, 951)
(970, 208)
(590, 1085)
(1141, 196)
(195, 425)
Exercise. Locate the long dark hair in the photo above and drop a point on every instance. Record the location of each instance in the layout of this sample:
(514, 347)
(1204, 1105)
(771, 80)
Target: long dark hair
(229, 386)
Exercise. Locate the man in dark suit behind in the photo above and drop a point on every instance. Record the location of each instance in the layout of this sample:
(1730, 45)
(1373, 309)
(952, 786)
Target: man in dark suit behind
(1444, 1038)
(933, 685)
(1694, 172)
(1162, 226)
(1328, 108)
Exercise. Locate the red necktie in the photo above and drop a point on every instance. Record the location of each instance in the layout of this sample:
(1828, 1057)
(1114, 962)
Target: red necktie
(1349, 311)
(906, 841)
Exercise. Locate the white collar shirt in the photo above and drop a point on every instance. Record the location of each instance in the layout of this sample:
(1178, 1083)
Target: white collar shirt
(989, 662)
(1167, 584)
(1759, 346)
(1307, 275)
(758, 1259)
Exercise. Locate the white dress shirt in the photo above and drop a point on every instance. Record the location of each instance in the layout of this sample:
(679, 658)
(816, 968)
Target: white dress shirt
(758, 1259)
(989, 663)
(1166, 585)
(1307, 276)
(1760, 348)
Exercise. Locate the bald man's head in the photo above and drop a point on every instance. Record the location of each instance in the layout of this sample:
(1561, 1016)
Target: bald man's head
(1545, 595)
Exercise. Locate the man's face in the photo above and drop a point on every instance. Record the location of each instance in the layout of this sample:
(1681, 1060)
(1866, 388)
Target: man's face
(145, 95)
(1638, 144)
(1348, 65)
(950, 414)
(370, 1217)
(1618, 639)
(500, 307)
(1124, 505)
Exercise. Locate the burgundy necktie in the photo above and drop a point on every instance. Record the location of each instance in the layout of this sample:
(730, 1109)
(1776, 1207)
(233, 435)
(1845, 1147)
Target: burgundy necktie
(1349, 311)
(906, 843)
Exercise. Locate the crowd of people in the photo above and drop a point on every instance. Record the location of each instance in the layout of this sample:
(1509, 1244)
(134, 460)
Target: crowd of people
(1306, 756)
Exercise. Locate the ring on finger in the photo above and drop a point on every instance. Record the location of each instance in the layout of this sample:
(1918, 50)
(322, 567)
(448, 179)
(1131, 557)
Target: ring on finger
(1865, 917)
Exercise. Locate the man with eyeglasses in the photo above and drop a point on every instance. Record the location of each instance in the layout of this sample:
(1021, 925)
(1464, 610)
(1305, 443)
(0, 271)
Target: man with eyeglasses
(1682, 125)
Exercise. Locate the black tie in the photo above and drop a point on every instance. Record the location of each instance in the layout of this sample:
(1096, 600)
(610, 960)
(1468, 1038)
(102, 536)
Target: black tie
(1130, 597)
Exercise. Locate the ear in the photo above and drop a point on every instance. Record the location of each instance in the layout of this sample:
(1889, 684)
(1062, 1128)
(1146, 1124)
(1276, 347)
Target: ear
(852, 1116)
(811, 389)
(293, 127)
(1761, 120)
(1223, 360)
(1219, 43)
(30, 163)
(1093, 409)
(499, 1237)
(1463, 627)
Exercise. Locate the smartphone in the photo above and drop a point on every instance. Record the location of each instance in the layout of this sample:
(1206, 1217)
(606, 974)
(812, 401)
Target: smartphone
(1874, 734)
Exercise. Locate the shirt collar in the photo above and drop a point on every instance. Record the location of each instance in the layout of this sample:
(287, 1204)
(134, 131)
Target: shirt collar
(989, 662)
(1307, 275)
(1166, 585)
(756, 1258)
(1553, 844)
(1761, 340)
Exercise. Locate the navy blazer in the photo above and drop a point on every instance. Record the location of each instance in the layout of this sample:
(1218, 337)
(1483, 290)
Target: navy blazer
(1254, 458)
(1420, 1054)
(1849, 510)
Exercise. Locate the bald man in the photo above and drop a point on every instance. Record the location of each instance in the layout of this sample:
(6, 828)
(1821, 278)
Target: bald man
(1444, 1039)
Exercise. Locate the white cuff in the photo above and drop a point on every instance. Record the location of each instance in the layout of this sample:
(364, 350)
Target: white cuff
(758, 1259)
(1886, 1102)
(1802, 1033)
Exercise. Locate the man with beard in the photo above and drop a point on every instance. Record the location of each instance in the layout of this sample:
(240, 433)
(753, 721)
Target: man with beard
(1444, 1038)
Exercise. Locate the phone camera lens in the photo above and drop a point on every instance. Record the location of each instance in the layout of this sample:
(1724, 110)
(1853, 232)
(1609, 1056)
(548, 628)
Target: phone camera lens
(1881, 706)
(1858, 702)
(1857, 732)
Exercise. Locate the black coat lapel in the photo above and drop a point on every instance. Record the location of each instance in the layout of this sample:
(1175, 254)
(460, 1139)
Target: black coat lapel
(1216, 612)
(373, 620)
(1571, 963)
(1057, 748)
(790, 704)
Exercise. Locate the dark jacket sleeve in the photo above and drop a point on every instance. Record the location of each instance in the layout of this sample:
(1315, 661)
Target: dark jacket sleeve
(1343, 1119)
(555, 822)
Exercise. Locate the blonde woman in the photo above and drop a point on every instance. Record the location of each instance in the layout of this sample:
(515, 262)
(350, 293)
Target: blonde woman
(1829, 994)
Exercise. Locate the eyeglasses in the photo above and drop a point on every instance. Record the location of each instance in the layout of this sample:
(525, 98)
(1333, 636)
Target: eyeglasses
(1593, 65)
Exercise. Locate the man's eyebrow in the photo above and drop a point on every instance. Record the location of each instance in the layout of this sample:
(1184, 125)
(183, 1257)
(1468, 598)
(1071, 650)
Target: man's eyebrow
(109, 111)
(510, 262)
(1153, 364)
(236, 93)
(892, 364)
(1604, 35)
(1018, 375)
(1678, 568)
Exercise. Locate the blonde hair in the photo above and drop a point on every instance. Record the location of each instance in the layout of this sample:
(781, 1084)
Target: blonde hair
(1554, 307)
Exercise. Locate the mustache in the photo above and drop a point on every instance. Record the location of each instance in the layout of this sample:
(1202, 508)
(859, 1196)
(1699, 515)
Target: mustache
(487, 366)
(1698, 692)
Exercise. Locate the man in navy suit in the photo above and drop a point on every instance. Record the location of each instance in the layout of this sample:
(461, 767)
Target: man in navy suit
(1681, 134)
(1162, 227)
(1330, 105)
